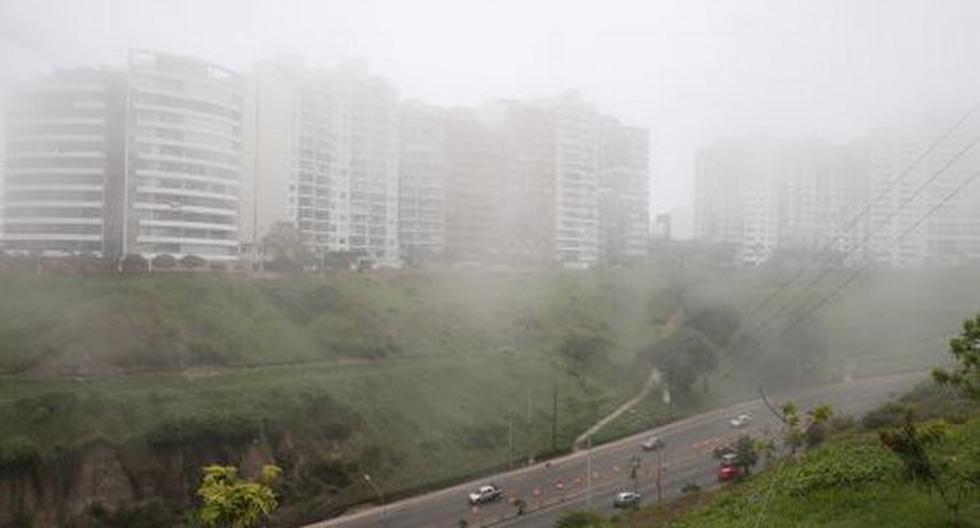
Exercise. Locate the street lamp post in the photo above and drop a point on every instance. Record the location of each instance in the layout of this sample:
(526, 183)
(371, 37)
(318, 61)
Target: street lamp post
(381, 498)
(588, 476)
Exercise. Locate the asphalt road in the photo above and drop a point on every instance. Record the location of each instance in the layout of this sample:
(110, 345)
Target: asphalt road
(552, 488)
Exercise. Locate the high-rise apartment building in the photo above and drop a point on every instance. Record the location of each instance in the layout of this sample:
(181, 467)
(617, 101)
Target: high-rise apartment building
(422, 182)
(624, 190)
(64, 163)
(735, 198)
(184, 151)
(474, 186)
(762, 195)
(143, 160)
(529, 182)
(542, 182)
(576, 221)
(324, 158)
(878, 200)
(909, 223)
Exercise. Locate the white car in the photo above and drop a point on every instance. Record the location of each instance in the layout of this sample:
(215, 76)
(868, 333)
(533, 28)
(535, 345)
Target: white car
(653, 443)
(740, 421)
(626, 499)
(484, 494)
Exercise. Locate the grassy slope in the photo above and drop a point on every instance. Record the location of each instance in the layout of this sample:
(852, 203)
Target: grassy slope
(427, 367)
(852, 482)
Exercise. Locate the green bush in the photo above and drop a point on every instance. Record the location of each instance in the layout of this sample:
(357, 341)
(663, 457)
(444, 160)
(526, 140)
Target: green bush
(203, 431)
(18, 452)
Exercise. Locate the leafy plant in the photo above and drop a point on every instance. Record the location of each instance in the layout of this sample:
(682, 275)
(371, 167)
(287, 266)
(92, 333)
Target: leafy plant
(966, 349)
(232, 502)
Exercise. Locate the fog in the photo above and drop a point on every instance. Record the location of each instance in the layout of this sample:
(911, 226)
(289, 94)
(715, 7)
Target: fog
(390, 246)
(690, 71)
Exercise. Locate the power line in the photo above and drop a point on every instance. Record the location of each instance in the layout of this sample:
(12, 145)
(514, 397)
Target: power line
(867, 208)
(857, 272)
(908, 200)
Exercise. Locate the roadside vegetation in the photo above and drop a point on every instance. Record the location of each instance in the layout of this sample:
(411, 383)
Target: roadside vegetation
(914, 462)
(418, 378)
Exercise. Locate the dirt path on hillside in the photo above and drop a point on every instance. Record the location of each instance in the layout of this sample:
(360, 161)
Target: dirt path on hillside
(673, 322)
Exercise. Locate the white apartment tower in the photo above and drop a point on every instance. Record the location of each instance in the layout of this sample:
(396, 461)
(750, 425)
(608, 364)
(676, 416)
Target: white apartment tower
(184, 157)
(624, 191)
(736, 198)
(422, 181)
(900, 232)
(324, 159)
(145, 160)
(576, 231)
(65, 164)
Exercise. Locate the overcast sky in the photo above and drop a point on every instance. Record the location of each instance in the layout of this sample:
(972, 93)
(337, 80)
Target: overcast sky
(690, 70)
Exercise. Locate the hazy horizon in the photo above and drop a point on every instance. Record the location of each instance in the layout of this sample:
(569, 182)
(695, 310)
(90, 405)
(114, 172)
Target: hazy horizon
(688, 71)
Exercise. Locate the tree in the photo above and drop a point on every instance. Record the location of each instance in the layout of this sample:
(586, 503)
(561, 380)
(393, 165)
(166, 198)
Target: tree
(910, 444)
(717, 321)
(801, 429)
(164, 261)
(134, 263)
(286, 247)
(966, 349)
(683, 357)
(582, 519)
(746, 455)
(232, 502)
(585, 347)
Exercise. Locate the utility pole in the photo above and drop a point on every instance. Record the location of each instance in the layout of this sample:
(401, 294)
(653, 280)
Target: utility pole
(660, 473)
(588, 476)
(381, 498)
(554, 421)
(510, 441)
(635, 471)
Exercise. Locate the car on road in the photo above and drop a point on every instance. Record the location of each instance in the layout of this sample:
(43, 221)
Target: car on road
(485, 494)
(740, 421)
(728, 471)
(653, 443)
(626, 499)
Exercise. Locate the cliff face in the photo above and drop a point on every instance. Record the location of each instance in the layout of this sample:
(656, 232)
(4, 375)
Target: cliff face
(102, 485)
(53, 493)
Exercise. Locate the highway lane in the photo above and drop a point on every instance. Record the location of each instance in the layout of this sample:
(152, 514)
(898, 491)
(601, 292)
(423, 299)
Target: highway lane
(551, 488)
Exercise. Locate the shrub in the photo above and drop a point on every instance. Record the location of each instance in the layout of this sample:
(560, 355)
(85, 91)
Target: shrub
(19, 451)
(889, 415)
(203, 431)
(193, 262)
(135, 264)
(164, 262)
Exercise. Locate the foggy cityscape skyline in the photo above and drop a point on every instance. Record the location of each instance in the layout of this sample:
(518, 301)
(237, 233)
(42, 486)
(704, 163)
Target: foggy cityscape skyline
(690, 72)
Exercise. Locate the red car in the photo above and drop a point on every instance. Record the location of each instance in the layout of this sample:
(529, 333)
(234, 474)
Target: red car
(728, 472)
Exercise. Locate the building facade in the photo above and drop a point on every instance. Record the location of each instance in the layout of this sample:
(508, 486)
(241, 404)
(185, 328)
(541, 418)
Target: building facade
(324, 158)
(184, 135)
(879, 200)
(144, 160)
(736, 198)
(910, 222)
(422, 182)
(624, 190)
(542, 182)
(65, 165)
(766, 196)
